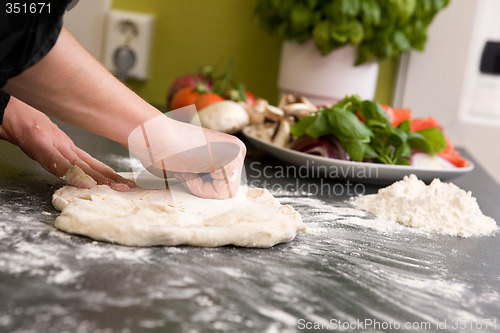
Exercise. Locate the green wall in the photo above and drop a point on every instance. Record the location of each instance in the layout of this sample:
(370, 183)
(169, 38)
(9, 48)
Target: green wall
(193, 33)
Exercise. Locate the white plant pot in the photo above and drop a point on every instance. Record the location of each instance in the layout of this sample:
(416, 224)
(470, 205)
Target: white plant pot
(324, 79)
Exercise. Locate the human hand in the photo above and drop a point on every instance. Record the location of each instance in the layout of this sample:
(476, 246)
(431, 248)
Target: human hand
(164, 145)
(223, 182)
(41, 139)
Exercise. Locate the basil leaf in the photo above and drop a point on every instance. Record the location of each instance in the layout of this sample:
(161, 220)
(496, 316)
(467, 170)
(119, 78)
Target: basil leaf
(371, 12)
(370, 152)
(374, 111)
(397, 137)
(403, 161)
(405, 9)
(300, 17)
(321, 34)
(375, 123)
(320, 126)
(339, 31)
(435, 138)
(401, 41)
(405, 126)
(355, 149)
(347, 127)
(403, 151)
(356, 32)
(350, 103)
(299, 129)
(418, 141)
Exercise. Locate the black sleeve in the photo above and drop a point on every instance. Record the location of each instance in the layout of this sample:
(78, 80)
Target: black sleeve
(27, 33)
(4, 100)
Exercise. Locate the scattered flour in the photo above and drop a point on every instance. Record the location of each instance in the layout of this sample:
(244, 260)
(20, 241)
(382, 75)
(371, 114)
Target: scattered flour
(440, 207)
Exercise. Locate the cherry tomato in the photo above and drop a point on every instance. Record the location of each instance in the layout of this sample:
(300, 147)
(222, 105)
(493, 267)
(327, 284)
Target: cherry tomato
(390, 112)
(207, 99)
(250, 97)
(423, 123)
(400, 115)
(184, 97)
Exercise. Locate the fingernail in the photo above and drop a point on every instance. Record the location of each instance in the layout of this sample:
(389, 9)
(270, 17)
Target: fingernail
(119, 187)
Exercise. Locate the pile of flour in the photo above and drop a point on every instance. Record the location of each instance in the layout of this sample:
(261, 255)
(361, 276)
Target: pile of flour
(440, 207)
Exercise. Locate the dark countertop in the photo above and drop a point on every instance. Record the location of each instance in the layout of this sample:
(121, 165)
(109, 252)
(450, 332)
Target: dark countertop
(340, 274)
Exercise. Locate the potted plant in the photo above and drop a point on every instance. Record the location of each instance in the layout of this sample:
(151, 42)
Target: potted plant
(332, 47)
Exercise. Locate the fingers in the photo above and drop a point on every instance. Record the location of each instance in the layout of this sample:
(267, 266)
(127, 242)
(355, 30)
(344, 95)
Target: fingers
(102, 168)
(207, 188)
(44, 142)
(60, 156)
(52, 160)
(195, 184)
(100, 172)
(231, 171)
(225, 189)
(222, 183)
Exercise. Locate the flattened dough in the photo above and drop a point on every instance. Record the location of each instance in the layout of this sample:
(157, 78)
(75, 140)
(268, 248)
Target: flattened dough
(142, 217)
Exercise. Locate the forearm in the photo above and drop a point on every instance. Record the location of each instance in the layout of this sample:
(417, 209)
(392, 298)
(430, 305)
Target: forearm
(69, 84)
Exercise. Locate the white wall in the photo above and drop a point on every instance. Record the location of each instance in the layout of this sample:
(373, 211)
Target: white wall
(439, 81)
(86, 22)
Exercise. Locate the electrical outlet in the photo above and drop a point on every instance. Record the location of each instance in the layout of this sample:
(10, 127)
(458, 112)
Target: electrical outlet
(128, 42)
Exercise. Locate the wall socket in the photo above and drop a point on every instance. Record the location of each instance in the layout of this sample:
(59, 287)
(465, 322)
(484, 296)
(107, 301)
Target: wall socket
(129, 37)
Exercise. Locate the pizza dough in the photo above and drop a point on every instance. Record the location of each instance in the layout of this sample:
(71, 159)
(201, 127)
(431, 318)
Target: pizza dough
(145, 217)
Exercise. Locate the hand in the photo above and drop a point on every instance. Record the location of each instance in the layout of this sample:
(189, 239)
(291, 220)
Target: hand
(222, 183)
(71, 86)
(43, 141)
(165, 144)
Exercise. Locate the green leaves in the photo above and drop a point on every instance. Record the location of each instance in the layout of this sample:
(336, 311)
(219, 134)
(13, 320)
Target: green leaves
(405, 9)
(374, 138)
(347, 126)
(435, 140)
(321, 35)
(300, 17)
(374, 113)
(381, 28)
(343, 123)
(300, 128)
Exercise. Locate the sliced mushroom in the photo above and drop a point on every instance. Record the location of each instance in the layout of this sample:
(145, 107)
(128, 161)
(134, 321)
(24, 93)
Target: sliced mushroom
(304, 100)
(273, 113)
(287, 99)
(281, 135)
(298, 110)
(255, 116)
(295, 107)
(260, 105)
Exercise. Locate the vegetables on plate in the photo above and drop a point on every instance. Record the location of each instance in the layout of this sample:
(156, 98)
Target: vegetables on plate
(272, 123)
(358, 130)
(370, 136)
(326, 146)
